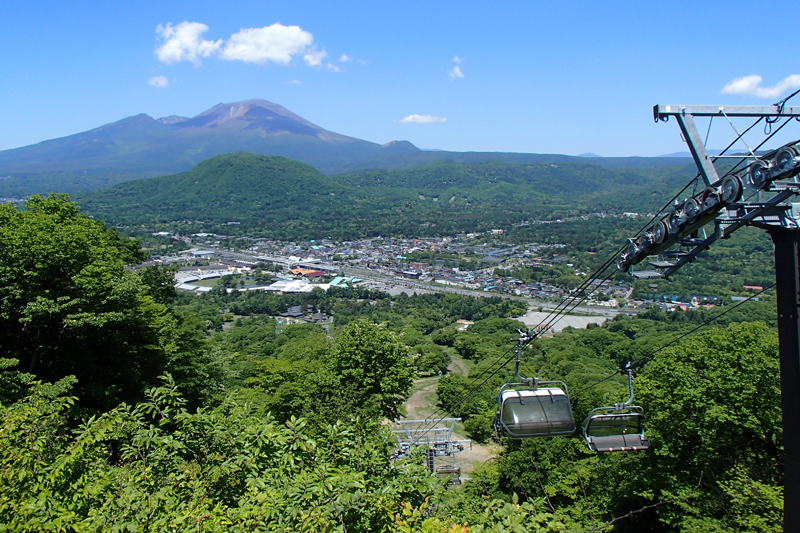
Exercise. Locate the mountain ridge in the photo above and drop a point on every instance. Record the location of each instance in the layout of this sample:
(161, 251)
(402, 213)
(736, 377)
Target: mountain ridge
(282, 198)
(141, 146)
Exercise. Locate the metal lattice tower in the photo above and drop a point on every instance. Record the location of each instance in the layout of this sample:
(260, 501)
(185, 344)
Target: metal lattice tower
(436, 435)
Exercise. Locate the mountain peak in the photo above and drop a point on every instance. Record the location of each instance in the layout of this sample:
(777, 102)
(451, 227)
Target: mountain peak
(400, 146)
(172, 119)
(254, 115)
(221, 113)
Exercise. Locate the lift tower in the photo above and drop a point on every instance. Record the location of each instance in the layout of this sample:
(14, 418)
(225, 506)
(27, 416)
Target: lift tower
(770, 179)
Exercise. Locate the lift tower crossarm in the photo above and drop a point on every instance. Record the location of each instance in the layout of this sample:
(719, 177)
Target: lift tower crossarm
(663, 112)
(776, 173)
(685, 114)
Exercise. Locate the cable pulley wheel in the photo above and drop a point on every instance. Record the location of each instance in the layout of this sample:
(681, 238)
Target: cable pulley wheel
(659, 232)
(691, 208)
(673, 220)
(787, 159)
(731, 190)
(758, 174)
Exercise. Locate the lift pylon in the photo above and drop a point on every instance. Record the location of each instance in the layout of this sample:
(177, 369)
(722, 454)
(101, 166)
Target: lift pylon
(772, 177)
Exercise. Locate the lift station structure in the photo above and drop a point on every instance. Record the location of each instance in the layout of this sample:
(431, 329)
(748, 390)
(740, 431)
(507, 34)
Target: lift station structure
(437, 437)
(768, 181)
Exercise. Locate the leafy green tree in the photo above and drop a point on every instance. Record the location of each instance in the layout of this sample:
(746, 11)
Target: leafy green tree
(466, 346)
(444, 337)
(431, 359)
(714, 405)
(370, 372)
(68, 305)
(13, 383)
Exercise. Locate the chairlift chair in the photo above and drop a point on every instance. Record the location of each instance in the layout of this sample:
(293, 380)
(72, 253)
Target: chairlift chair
(616, 429)
(450, 471)
(526, 409)
(534, 411)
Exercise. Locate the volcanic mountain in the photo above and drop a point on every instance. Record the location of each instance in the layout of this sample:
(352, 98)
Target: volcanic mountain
(141, 146)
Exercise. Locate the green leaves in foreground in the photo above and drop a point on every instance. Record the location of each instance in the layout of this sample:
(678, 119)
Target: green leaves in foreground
(158, 467)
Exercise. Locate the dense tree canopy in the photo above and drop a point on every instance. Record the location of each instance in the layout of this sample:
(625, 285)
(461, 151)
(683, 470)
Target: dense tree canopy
(158, 467)
(68, 305)
(263, 426)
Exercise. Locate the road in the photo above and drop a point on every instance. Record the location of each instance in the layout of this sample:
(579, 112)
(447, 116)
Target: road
(379, 280)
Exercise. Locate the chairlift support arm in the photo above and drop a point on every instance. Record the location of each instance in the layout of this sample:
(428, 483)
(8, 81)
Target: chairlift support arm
(663, 112)
(684, 115)
(628, 370)
(782, 221)
(697, 149)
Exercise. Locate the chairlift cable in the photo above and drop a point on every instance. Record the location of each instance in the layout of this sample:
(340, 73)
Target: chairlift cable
(782, 103)
(467, 395)
(581, 288)
(644, 359)
(770, 135)
(637, 364)
(611, 260)
(558, 316)
(531, 339)
(576, 394)
(553, 318)
(549, 320)
(463, 398)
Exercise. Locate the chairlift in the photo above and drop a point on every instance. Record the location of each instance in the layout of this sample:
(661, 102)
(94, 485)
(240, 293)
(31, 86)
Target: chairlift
(527, 409)
(616, 429)
(450, 471)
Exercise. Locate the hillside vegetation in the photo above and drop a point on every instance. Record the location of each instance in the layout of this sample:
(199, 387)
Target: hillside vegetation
(140, 146)
(281, 198)
(124, 406)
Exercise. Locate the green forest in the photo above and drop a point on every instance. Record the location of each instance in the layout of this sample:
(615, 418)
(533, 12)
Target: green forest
(125, 406)
(279, 198)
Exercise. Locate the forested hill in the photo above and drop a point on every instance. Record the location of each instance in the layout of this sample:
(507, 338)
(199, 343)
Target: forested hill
(282, 198)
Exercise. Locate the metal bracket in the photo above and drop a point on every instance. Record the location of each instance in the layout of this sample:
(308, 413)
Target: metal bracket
(663, 112)
(697, 149)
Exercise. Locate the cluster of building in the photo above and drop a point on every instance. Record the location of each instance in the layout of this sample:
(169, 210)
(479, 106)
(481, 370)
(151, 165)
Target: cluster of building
(305, 265)
(308, 263)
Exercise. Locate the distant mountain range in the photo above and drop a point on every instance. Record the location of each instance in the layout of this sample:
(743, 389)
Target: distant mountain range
(141, 146)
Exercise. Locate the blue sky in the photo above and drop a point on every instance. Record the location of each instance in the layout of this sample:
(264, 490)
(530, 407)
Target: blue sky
(542, 77)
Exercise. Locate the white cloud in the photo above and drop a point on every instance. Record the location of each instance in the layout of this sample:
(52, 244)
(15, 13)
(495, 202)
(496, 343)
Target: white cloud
(276, 43)
(455, 73)
(457, 59)
(158, 81)
(295, 82)
(345, 58)
(422, 119)
(314, 57)
(183, 43)
(751, 86)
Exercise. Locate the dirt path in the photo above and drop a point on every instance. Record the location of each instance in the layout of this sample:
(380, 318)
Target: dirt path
(457, 365)
(423, 403)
